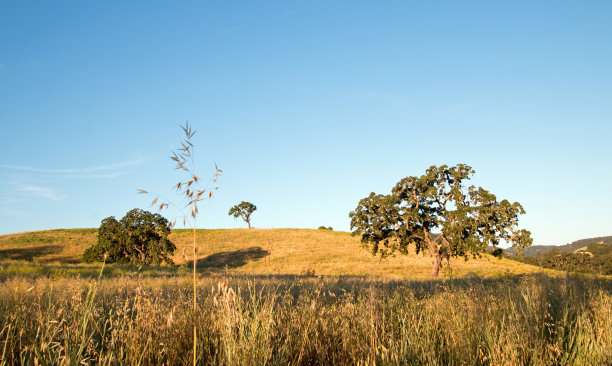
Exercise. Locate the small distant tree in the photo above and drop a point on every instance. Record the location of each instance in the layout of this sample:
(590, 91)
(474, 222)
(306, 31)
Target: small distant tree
(140, 237)
(326, 228)
(439, 213)
(244, 211)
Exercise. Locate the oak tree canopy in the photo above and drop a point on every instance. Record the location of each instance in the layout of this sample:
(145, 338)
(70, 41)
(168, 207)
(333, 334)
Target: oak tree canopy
(244, 211)
(140, 237)
(439, 213)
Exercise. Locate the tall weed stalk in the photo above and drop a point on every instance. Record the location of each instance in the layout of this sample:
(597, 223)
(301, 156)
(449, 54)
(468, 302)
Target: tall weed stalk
(192, 190)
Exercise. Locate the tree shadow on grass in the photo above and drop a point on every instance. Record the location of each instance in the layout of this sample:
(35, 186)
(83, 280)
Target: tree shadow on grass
(66, 259)
(233, 259)
(30, 253)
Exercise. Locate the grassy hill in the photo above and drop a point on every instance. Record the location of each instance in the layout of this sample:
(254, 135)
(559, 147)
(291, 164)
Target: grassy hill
(144, 316)
(257, 251)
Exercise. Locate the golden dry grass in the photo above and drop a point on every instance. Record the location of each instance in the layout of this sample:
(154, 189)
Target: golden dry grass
(262, 251)
(300, 251)
(267, 320)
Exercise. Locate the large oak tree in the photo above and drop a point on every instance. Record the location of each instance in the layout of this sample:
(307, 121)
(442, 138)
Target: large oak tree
(439, 213)
(140, 237)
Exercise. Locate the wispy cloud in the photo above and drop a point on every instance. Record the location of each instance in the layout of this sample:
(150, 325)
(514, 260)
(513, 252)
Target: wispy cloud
(96, 176)
(99, 171)
(4, 211)
(380, 96)
(43, 192)
(184, 43)
(287, 14)
(232, 29)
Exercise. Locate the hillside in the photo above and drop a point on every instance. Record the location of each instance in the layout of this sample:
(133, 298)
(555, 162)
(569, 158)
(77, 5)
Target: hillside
(566, 248)
(258, 251)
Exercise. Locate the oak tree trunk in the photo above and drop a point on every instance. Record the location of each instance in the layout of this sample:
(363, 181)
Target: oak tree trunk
(435, 253)
(436, 264)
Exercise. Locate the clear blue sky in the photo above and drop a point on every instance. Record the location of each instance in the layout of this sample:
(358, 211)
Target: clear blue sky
(306, 106)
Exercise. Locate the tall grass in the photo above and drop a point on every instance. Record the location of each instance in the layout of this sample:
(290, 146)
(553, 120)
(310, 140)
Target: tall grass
(521, 320)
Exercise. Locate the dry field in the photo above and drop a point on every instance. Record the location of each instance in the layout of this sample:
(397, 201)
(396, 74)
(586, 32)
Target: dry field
(292, 297)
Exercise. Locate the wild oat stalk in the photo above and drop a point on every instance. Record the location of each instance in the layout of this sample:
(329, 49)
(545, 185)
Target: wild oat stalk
(192, 191)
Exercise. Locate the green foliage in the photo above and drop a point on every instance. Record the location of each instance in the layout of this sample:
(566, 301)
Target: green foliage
(567, 248)
(577, 262)
(439, 213)
(599, 249)
(141, 237)
(325, 228)
(244, 211)
(596, 260)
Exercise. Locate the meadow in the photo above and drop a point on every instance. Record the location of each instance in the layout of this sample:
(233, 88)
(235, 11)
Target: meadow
(285, 303)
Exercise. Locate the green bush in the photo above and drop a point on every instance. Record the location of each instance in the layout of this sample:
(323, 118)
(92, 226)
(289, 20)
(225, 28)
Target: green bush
(498, 252)
(141, 237)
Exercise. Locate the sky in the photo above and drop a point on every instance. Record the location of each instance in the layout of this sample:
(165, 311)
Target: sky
(306, 106)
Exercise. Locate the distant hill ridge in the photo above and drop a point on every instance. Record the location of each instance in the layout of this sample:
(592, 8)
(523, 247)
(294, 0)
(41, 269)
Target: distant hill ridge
(258, 252)
(567, 248)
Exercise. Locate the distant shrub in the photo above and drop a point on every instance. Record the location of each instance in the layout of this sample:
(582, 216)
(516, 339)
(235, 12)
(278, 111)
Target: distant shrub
(498, 252)
(309, 273)
(326, 228)
(599, 262)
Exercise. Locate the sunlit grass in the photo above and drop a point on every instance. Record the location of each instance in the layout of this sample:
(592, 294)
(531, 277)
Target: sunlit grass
(248, 320)
(61, 245)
